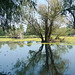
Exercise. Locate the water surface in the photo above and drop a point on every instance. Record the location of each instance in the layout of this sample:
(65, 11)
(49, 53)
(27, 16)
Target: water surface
(33, 58)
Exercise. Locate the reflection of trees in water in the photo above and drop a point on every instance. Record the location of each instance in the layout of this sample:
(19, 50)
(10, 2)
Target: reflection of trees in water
(29, 43)
(43, 63)
(56, 65)
(1, 43)
(12, 45)
(23, 68)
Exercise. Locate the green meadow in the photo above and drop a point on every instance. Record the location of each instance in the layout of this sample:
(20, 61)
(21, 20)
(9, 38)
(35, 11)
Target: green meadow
(67, 39)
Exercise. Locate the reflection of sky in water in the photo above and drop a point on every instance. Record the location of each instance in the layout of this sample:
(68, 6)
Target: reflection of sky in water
(71, 56)
(9, 57)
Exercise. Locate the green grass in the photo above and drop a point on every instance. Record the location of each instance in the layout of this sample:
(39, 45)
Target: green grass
(16, 40)
(68, 40)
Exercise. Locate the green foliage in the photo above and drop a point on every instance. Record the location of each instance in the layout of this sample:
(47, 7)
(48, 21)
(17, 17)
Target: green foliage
(7, 11)
(60, 32)
(30, 30)
(2, 33)
(16, 32)
(70, 31)
(69, 5)
(64, 31)
(11, 11)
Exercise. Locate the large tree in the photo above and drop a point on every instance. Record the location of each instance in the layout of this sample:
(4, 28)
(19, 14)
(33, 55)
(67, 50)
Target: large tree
(48, 14)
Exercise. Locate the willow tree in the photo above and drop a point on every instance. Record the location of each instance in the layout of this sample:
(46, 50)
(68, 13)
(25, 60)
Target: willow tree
(47, 15)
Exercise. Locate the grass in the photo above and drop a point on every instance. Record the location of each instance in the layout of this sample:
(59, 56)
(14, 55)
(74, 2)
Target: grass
(16, 40)
(68, 40)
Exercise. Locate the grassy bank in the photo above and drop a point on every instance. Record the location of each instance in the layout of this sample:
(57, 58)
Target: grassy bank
(69, 40)
(16, 40)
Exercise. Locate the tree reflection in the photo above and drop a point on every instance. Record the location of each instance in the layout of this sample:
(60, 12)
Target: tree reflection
(29, 43)
(12, 45)
(55, 64)
(40, 62)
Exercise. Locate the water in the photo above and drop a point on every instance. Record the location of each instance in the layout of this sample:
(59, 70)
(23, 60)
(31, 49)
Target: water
(34, 58)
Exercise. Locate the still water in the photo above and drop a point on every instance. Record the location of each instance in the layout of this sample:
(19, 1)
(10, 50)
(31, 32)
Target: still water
(34, 58)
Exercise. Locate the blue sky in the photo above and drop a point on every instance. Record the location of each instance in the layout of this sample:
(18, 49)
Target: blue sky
(41, 2)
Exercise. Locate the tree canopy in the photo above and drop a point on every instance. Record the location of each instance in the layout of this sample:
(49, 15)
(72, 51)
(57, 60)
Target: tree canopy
(11, 11)
(69, 5)
(48, 17)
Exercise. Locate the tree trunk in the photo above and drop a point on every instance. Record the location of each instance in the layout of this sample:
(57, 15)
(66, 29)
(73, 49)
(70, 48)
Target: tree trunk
(46, 30)
(50, 30)
(74, 22)
(41, 36)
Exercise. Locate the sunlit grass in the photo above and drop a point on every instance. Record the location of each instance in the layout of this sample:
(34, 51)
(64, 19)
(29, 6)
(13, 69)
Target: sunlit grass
(68, 40)
(16, 40)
